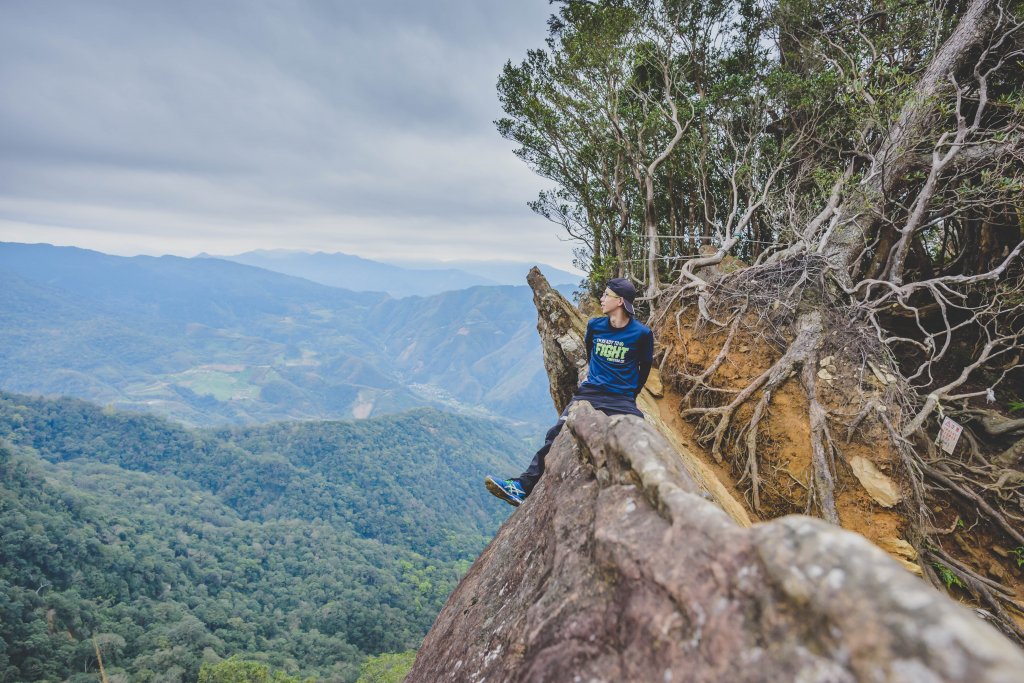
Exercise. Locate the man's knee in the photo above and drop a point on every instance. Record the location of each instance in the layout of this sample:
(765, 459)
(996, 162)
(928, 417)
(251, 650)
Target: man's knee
(553, 432)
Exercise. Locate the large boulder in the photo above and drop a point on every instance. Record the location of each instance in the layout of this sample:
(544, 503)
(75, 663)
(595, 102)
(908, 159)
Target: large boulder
(617, 568)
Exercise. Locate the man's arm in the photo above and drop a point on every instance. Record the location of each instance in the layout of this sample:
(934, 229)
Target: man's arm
(645, 358)
(588, 340)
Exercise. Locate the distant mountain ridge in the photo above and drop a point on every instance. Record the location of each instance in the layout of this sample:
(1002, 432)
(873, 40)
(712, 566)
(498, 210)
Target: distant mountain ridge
(419, 278)
(208, 341)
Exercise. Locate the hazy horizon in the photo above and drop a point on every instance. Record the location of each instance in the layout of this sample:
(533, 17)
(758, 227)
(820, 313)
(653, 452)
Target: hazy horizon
(147, 128)
(410, 263)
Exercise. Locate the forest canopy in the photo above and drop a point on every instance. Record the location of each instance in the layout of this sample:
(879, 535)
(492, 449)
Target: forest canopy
(298, 546)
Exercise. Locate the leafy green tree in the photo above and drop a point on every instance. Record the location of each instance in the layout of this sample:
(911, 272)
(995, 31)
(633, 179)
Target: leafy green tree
(386, 668)
(234, 670)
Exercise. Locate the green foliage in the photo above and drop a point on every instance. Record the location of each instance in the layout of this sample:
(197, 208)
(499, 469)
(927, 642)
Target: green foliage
(364, 475)
(776, 100)
(592, 113)
(1018, 556)
(301, 546)
(1016, 405)
(947, 575)
(386, 668)
(235, 670)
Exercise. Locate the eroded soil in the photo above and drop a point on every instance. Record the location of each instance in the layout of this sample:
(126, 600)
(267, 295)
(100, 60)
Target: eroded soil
(784, 454)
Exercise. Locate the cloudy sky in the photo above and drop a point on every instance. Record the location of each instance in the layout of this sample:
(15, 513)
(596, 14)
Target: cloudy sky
(183, 126)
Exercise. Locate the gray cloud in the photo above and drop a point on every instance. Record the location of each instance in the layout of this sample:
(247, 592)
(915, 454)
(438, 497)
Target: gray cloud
(228, 125)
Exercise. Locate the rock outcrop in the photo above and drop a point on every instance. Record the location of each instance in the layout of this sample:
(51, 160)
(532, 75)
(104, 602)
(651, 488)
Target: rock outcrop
(562, 329)
(620, 567)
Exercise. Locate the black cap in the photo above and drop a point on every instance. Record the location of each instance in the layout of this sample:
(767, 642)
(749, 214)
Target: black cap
(624, 288)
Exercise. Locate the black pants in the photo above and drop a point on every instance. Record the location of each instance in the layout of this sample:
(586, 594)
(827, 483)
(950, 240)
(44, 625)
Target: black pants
(609, 404)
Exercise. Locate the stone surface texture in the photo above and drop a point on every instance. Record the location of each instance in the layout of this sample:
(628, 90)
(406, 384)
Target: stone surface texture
(561, 329)
(620, 568)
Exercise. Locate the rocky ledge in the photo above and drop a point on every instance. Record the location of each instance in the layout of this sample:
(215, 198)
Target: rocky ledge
(620, 567)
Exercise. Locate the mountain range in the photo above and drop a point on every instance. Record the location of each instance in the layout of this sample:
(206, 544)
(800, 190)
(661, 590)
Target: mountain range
(208, 341)
(420, 278)
(273, 530)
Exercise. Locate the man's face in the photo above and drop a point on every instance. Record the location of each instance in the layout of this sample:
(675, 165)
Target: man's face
(610, 301)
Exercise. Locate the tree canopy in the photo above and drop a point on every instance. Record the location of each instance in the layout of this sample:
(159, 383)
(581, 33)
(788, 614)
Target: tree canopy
(299, 548)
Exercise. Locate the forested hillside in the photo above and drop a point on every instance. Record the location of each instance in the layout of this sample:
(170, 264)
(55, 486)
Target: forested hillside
(307, 546)
(212, 342)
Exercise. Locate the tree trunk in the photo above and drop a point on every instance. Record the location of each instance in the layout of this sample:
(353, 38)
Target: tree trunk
(895, 155)
(1012, 456)
(650, 220)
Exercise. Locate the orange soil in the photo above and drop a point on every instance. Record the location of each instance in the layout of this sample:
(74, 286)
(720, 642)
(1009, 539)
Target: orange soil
(784, 456)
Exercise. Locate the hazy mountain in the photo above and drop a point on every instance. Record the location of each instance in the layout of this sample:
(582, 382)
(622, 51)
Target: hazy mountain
(209, 341)
(502, 272)
(199, 340)
(170, 287)
(359, 274)
(420, 278)
(479, 345)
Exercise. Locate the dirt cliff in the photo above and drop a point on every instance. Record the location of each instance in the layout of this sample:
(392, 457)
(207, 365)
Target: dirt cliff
(632, 561)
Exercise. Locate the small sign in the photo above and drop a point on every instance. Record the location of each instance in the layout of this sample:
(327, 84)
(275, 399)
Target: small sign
(949, 434)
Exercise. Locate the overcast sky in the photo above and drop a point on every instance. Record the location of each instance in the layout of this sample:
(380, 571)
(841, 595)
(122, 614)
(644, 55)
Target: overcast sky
(183, 126)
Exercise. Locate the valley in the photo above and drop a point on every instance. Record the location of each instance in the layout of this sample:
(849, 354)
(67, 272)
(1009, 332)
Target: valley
(212, 342)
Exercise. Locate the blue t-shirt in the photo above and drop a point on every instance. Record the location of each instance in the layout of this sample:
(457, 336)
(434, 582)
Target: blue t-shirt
(620, 359)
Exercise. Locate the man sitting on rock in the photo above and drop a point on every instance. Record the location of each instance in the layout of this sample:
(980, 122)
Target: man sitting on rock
(619, 351)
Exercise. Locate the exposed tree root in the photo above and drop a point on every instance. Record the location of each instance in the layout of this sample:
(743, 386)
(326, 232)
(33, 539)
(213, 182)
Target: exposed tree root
(947, 482)
(1012, 456)
(990, 593)
(822, 449)
(768, 380)
(750, 469)
(699, 382)
(994, 424)
(788, 308)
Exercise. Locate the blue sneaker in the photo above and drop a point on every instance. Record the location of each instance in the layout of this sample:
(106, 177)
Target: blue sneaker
(509, 490)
